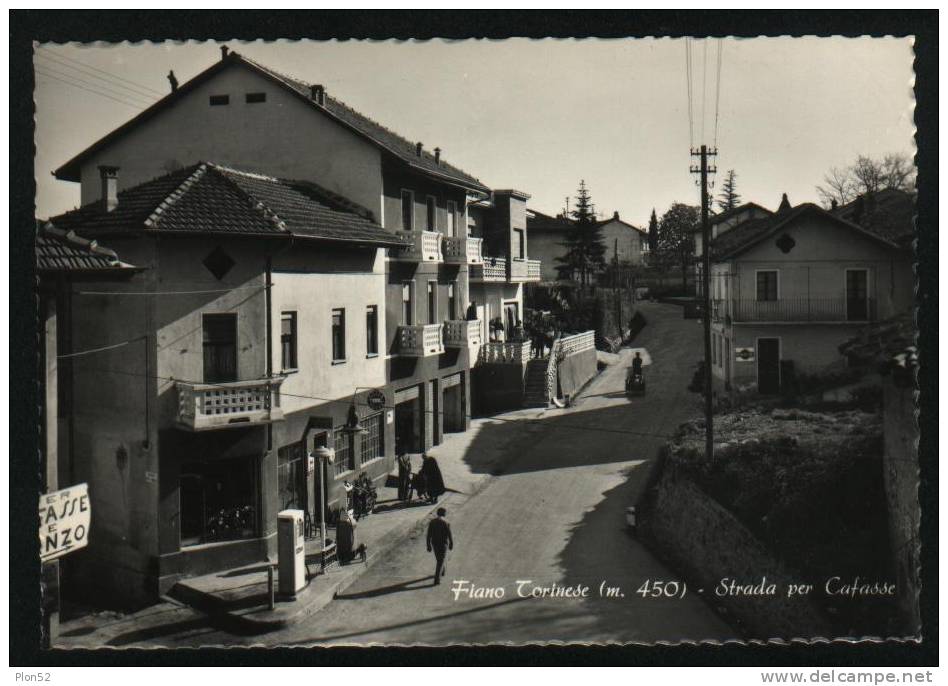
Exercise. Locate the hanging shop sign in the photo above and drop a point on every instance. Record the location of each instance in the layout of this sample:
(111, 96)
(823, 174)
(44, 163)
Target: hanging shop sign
(375, 399)
(64, 521)
(744, 354)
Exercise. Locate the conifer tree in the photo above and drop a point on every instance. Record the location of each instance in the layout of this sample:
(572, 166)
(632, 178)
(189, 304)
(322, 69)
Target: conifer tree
(729, 198)
(585, 251)
(653, 233)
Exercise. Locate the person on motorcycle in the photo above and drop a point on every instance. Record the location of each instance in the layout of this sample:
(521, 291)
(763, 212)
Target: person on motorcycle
(637, 365)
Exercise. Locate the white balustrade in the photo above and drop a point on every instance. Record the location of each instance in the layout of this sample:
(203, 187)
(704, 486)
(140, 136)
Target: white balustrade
(420, 340)
(462, 334)
(462, 250)
(203, 406)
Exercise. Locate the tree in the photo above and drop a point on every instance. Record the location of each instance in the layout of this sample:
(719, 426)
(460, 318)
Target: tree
(729, 198)
(653, 233)
(585, 251)
(676, 231)
(867, 175)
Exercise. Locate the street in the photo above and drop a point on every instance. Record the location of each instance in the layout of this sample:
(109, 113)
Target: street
(555, 515)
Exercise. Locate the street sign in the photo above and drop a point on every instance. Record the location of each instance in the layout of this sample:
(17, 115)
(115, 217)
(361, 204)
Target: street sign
(375, 399)
(64, 521)
(744, 354)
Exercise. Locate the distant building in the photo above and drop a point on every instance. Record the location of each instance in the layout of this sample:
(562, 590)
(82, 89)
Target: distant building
(789, 287)
(547, 236)
(625, 243)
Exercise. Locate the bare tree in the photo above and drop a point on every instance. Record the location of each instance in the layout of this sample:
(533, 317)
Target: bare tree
(867, 175)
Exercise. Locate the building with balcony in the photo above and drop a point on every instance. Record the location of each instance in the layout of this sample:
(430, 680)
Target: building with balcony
(201, 382)
(789, 287)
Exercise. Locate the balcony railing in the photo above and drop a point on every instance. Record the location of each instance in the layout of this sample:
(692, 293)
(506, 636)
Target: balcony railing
(462, 334)
(462, 250)
(420, 340)
(203, 406)
(829, 310)
(510, 352)
(577, 343)
(494, 269)
(425, 246)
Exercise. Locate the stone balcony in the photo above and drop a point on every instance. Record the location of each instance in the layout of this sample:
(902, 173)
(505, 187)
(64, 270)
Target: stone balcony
(462, 334)
(462, 250)
(425, 246)
(505, 352)
(225, 405)
(420, 340)
(494, 270)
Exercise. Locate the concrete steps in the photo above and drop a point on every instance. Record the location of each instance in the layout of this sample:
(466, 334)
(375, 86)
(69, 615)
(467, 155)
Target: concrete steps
(534, 385)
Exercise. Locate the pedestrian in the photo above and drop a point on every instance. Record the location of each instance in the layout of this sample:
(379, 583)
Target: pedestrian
(472, 311)
(404, 476)
(439, 542)
(434, 482)
(637, 365)
(519, 334)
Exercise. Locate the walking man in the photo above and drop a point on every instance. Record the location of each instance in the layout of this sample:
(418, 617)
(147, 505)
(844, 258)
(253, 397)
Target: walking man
(439, 541)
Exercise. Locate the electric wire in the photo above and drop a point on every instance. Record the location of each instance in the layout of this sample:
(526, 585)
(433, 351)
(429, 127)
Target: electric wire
(139, 91)
(132, 97)
(83, 65)
(89, 90)
(704, 82)
(691, 125)
(717, 96)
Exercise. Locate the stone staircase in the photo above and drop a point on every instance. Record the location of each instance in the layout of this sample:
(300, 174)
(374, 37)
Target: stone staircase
(535, 384)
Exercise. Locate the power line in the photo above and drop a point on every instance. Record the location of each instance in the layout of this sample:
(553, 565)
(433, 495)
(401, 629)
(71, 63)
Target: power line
(137, 91)
(717, 97)
(89, 90)
(101, 71)
(704, 82)
(691, 125)
(107, 89)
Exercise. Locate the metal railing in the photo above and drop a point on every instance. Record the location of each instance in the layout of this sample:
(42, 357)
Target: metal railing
(462, 334)
(425, 246)
(795, 310)
(223, 405)
(505, 352)
(420, 340)
(462, 249)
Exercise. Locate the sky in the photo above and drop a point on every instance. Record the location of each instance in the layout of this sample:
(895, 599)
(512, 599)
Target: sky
(541, 115)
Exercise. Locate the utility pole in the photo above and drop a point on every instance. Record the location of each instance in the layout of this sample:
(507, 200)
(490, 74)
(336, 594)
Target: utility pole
(703, 170)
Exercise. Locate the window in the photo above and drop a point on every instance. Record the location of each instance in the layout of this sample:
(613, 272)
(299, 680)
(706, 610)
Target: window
(432, 302)
(342, 445)
(256, 97)
(218, 100)
(218, 500)
(406, 304)
(408, 210)
(338, 335)
(452, 302)
(431, 214)
(767, 285)
(372, 330)
(220, 348)
(452, 218)
(288, 339)
(520, 243)
(373, 442)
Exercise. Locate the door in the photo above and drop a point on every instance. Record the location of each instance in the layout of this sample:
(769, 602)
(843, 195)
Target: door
(511, 317)
(768, 365)
(857, 295)
(432, 302)
(220, 348)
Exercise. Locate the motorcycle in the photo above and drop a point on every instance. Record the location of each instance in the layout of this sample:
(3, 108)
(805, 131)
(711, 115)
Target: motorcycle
(635, 384)
(362, 496)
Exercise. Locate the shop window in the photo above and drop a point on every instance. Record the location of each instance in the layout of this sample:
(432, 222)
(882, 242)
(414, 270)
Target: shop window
(288, 339)
(218, 500)
(373, 442)
(338, 335)
(372, 330)
(342, 445)
(291, 475)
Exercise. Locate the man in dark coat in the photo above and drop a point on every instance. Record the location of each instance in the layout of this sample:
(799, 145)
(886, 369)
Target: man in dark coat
(439, 541)
(472, 311)
(434, 483)
(404, 476)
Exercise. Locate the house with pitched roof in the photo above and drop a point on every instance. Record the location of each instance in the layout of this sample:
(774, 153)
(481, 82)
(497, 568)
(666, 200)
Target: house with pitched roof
(789, 287)
(201, 384)
(625, 243)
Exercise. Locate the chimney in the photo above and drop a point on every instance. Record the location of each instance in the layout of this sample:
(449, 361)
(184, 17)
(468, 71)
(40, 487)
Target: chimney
(418, 147)
(317, 92)
(437, 156)
(173, 81)
(224, 52)
(615, 215)
(109, 176)
(784, 204)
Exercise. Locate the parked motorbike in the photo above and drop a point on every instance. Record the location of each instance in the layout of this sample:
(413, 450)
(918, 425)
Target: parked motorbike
(362, 496)
(635, 384)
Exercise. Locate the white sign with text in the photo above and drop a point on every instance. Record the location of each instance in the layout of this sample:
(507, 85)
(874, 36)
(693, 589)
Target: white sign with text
(64, 521)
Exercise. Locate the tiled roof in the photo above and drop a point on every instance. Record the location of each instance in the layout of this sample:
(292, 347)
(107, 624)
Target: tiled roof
(209, 199)
(544, 222)
(603, 222)
(888, 213)
(379, 135)
(752, 231)
(727, 214)
(64, 251)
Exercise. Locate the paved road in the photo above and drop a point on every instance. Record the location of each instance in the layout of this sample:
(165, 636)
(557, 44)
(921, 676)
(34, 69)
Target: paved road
(554, 516)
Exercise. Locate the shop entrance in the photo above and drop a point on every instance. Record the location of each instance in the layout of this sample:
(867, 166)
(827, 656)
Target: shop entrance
(408, 421)
(218, 500)
(453, 402)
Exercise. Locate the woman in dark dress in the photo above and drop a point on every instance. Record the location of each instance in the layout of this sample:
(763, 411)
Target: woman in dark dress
(404, 476)
(434, 483)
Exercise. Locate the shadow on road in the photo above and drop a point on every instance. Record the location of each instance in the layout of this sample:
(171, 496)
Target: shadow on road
(413, 585)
